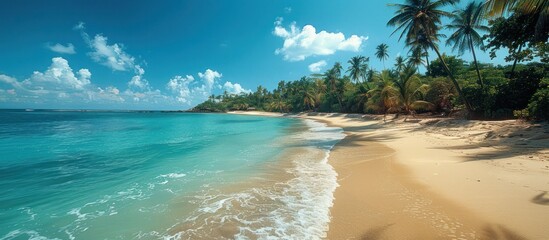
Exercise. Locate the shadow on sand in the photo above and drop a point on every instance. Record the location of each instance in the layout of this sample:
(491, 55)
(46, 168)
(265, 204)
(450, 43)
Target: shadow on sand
(541, 199)
(499, 232)
(375, 233)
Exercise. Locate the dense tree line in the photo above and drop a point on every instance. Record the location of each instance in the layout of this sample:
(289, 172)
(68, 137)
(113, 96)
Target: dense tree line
(448, 84)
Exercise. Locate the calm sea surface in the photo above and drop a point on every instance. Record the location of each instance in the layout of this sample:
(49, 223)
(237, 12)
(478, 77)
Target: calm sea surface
(129, 175)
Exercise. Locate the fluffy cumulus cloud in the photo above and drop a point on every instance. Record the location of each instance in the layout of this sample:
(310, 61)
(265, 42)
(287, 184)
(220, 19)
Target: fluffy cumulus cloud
(60, 48)
(58, 81)
(306, 42)
(59, 75)
(114, 57)
(59, 84)
(317, 66)
(235, 88)
(209, 77)
(181, 87)
(190, 91)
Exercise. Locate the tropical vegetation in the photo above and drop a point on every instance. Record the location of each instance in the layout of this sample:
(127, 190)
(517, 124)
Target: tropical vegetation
(449, 84)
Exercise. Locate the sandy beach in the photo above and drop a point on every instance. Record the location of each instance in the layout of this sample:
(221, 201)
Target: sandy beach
(438, 178)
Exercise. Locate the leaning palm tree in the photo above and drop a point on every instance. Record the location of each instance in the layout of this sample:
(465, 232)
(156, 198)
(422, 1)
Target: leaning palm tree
(358, 67)
(416, 17)
(538, 8)
(467, 23)
(382, 52)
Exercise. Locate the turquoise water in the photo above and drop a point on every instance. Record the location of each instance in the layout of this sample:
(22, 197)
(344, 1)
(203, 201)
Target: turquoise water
(129, 175)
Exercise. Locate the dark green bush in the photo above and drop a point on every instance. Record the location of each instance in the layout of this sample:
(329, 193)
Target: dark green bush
(538, 107)
(517, 92)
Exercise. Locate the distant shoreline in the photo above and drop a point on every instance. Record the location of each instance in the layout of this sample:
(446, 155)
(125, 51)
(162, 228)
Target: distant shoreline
(437, 178)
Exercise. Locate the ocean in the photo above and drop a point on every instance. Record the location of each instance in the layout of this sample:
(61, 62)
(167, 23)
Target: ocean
(157, 175)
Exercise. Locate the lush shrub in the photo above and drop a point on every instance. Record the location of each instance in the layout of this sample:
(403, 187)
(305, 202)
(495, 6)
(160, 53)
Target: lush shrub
(440, 94)
(521, 114)
(539, 104)
(480, 100)
(517, 92)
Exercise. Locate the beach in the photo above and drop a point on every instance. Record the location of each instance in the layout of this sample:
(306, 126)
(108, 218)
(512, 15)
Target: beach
(436, 178)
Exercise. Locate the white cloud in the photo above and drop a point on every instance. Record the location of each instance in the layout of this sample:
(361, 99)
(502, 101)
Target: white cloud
(112, 56)
(317, 66)
(139, 82)
(59, 75)
(180, 86)
(209, 77)
(60, 85)
(60, 48)
(7, 79)
(79, 26)
(300, 44)
(288, 9)
(190, 90)
(235, 88)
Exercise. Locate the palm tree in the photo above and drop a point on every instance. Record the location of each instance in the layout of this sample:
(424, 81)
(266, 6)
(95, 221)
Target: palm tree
(370, 75)
(416, 58)
(337, 68)
(399, 63)
(279, 104)
(358, 67)
(383, 97)
(411, 90)
(466, 23)
(332, 78)
(421, 41)
(259, 95)
(362, 94)
(424, 17)
(539, 8)
(309, 98)
(382, 52)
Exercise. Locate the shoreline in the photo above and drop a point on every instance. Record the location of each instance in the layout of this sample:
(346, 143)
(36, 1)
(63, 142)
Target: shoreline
(438, 178)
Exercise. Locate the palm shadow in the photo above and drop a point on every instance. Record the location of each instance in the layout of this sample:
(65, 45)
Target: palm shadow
(375, 233)
(541, 199)
(499, 232)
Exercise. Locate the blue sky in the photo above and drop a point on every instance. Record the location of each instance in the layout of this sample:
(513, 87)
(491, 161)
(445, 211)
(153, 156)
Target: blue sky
(173, 54)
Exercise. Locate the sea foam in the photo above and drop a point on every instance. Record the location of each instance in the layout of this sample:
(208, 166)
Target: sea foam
(297, 208)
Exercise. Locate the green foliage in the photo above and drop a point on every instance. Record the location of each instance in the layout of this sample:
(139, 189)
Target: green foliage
(441, 93)
(456, 66)
(518, 34)
(517, 92)
(521, 114)
(482, 100)
(539, 104)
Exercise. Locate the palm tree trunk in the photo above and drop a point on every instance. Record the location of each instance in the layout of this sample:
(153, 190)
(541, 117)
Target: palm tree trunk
(456, 84)
(515, 62)
(427, 60)
(476, 63)
(340, 104)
